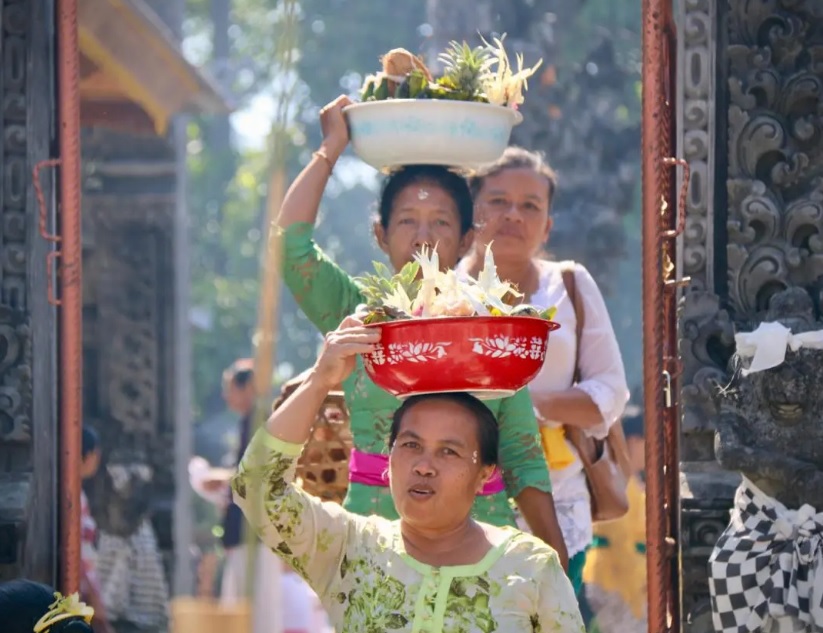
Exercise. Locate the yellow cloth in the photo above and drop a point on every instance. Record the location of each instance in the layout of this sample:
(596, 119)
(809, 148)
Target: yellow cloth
(617, 561)
(557, 451)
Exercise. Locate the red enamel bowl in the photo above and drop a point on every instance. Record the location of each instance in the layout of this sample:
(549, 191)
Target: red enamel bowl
(489, 357)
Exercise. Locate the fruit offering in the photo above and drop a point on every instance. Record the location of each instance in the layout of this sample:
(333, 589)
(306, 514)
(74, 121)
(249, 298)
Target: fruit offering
(482, 74)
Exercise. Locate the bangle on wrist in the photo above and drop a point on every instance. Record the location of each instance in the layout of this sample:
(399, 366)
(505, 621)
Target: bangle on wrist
(322, 155)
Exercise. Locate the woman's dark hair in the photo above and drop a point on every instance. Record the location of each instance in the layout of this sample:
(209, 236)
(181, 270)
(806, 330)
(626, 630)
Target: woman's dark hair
(488, 434)
(451, 182)
(90, 441)
(515, 158)
(24, 602)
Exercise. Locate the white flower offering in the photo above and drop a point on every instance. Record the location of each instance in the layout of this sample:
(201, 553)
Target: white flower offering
(422, 290)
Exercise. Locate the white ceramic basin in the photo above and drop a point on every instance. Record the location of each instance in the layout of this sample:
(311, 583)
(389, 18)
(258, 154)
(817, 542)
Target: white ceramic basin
(397, 132)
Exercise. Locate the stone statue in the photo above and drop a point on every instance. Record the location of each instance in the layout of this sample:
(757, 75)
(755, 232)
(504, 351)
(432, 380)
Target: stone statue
(766, 570)
(769, 425)
(126, 492)
(130, 565)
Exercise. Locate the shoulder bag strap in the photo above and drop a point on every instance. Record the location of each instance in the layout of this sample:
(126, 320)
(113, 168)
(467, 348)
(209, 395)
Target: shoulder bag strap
(586, 446)
(570, 281)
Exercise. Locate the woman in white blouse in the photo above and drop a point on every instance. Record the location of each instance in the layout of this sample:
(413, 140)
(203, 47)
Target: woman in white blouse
(513, 199)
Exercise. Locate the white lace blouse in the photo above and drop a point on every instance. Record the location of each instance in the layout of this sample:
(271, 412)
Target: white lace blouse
(602, 377)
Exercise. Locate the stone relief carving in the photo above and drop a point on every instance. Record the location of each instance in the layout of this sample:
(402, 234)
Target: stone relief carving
(706, 331)
(706, 345)
(696, 137)
(129, 308)
(765, 426)
(15, 376)
(775, 118)
(15, 326)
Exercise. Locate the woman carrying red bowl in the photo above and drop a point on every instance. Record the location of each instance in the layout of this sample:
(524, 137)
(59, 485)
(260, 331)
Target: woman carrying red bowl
(420, 206)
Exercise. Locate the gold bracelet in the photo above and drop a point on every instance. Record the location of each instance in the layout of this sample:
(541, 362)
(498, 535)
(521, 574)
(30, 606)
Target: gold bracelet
(321, 154)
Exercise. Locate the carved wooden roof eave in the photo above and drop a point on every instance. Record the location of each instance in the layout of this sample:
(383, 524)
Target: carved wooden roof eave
(133, 73)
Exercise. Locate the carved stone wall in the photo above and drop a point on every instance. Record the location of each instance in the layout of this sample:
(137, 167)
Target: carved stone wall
(129, 348)
(706, 332)
(775, 128)
(15, 361)
(751, 127)
(27, 342)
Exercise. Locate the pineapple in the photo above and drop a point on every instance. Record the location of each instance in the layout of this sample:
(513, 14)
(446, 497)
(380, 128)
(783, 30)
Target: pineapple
(465, 69)
(367, 91)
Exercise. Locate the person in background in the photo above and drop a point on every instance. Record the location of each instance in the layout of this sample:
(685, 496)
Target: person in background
(582, 384)
(615, 573)
(89, 582)
(283, 603)
(31, 607)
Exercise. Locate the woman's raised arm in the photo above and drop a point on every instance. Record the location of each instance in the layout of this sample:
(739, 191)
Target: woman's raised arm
(302, 200)
(310, 536)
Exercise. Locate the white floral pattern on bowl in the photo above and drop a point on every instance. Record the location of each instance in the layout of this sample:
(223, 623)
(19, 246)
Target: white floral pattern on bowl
(505, 346)
(494, 346)
(417, 352)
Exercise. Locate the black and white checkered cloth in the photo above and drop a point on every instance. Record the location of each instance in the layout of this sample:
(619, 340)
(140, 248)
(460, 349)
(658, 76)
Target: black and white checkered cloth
(766, 570)
(132, 578)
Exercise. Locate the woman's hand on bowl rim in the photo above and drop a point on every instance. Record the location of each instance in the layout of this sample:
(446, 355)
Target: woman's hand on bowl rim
(338, 357)
(335, 127)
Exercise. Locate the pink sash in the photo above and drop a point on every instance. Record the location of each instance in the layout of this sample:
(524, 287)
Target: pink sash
(372, 469)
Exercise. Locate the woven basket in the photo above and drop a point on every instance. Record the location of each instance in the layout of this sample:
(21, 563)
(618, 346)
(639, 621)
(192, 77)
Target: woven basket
(323, 468)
